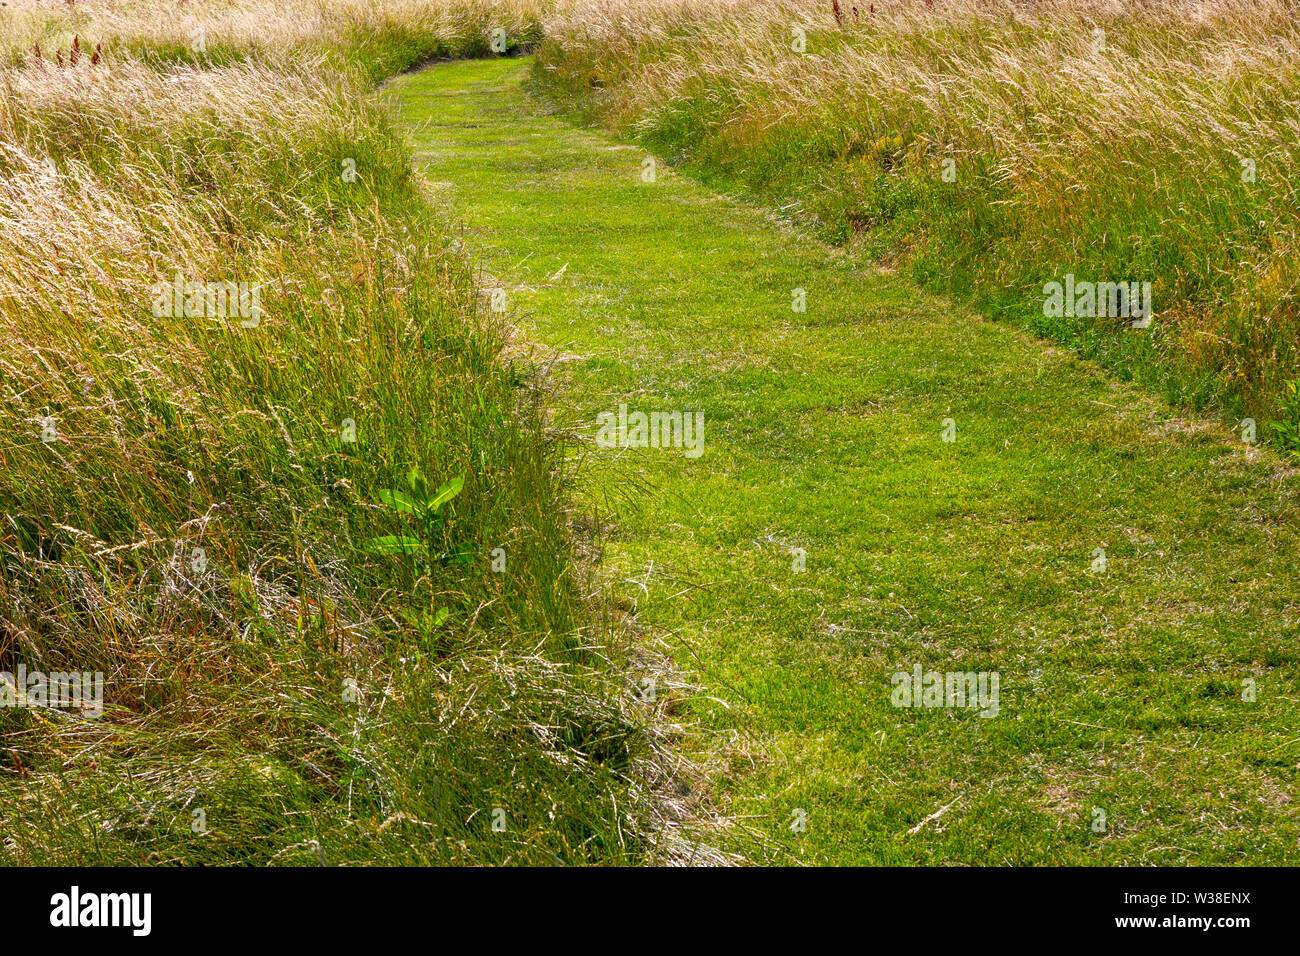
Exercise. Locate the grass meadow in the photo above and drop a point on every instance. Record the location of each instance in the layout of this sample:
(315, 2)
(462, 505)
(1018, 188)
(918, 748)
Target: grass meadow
(330, 521)
(987, 149)
(203, 508)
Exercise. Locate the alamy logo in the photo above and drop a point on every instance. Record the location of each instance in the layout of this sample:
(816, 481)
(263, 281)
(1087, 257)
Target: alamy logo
(73, 909)
(654, 430)
(1115, 300)
(70, 690)
(917, 688)
(213, 300)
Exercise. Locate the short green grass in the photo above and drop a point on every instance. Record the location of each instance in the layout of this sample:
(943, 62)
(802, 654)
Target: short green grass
(1121, 690)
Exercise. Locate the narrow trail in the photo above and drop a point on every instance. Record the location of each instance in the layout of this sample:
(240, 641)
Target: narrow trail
(1121, 733)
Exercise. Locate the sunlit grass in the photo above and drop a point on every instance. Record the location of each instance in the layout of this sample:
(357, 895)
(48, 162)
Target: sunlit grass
(1112, 140)
(186, 498)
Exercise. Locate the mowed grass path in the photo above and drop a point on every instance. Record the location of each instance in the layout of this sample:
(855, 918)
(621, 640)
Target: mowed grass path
(1121, 690)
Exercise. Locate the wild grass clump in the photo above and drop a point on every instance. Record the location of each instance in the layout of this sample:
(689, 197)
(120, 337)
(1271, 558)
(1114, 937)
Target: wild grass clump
(378, 37)
(993, 147)
(187, 499)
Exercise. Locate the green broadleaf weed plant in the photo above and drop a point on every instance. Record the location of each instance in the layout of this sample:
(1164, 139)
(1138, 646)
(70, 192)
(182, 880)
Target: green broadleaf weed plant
(427, 541)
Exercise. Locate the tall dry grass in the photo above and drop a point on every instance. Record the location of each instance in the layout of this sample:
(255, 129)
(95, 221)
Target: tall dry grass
(182, 508)
(378, 37)
(1105, 138)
